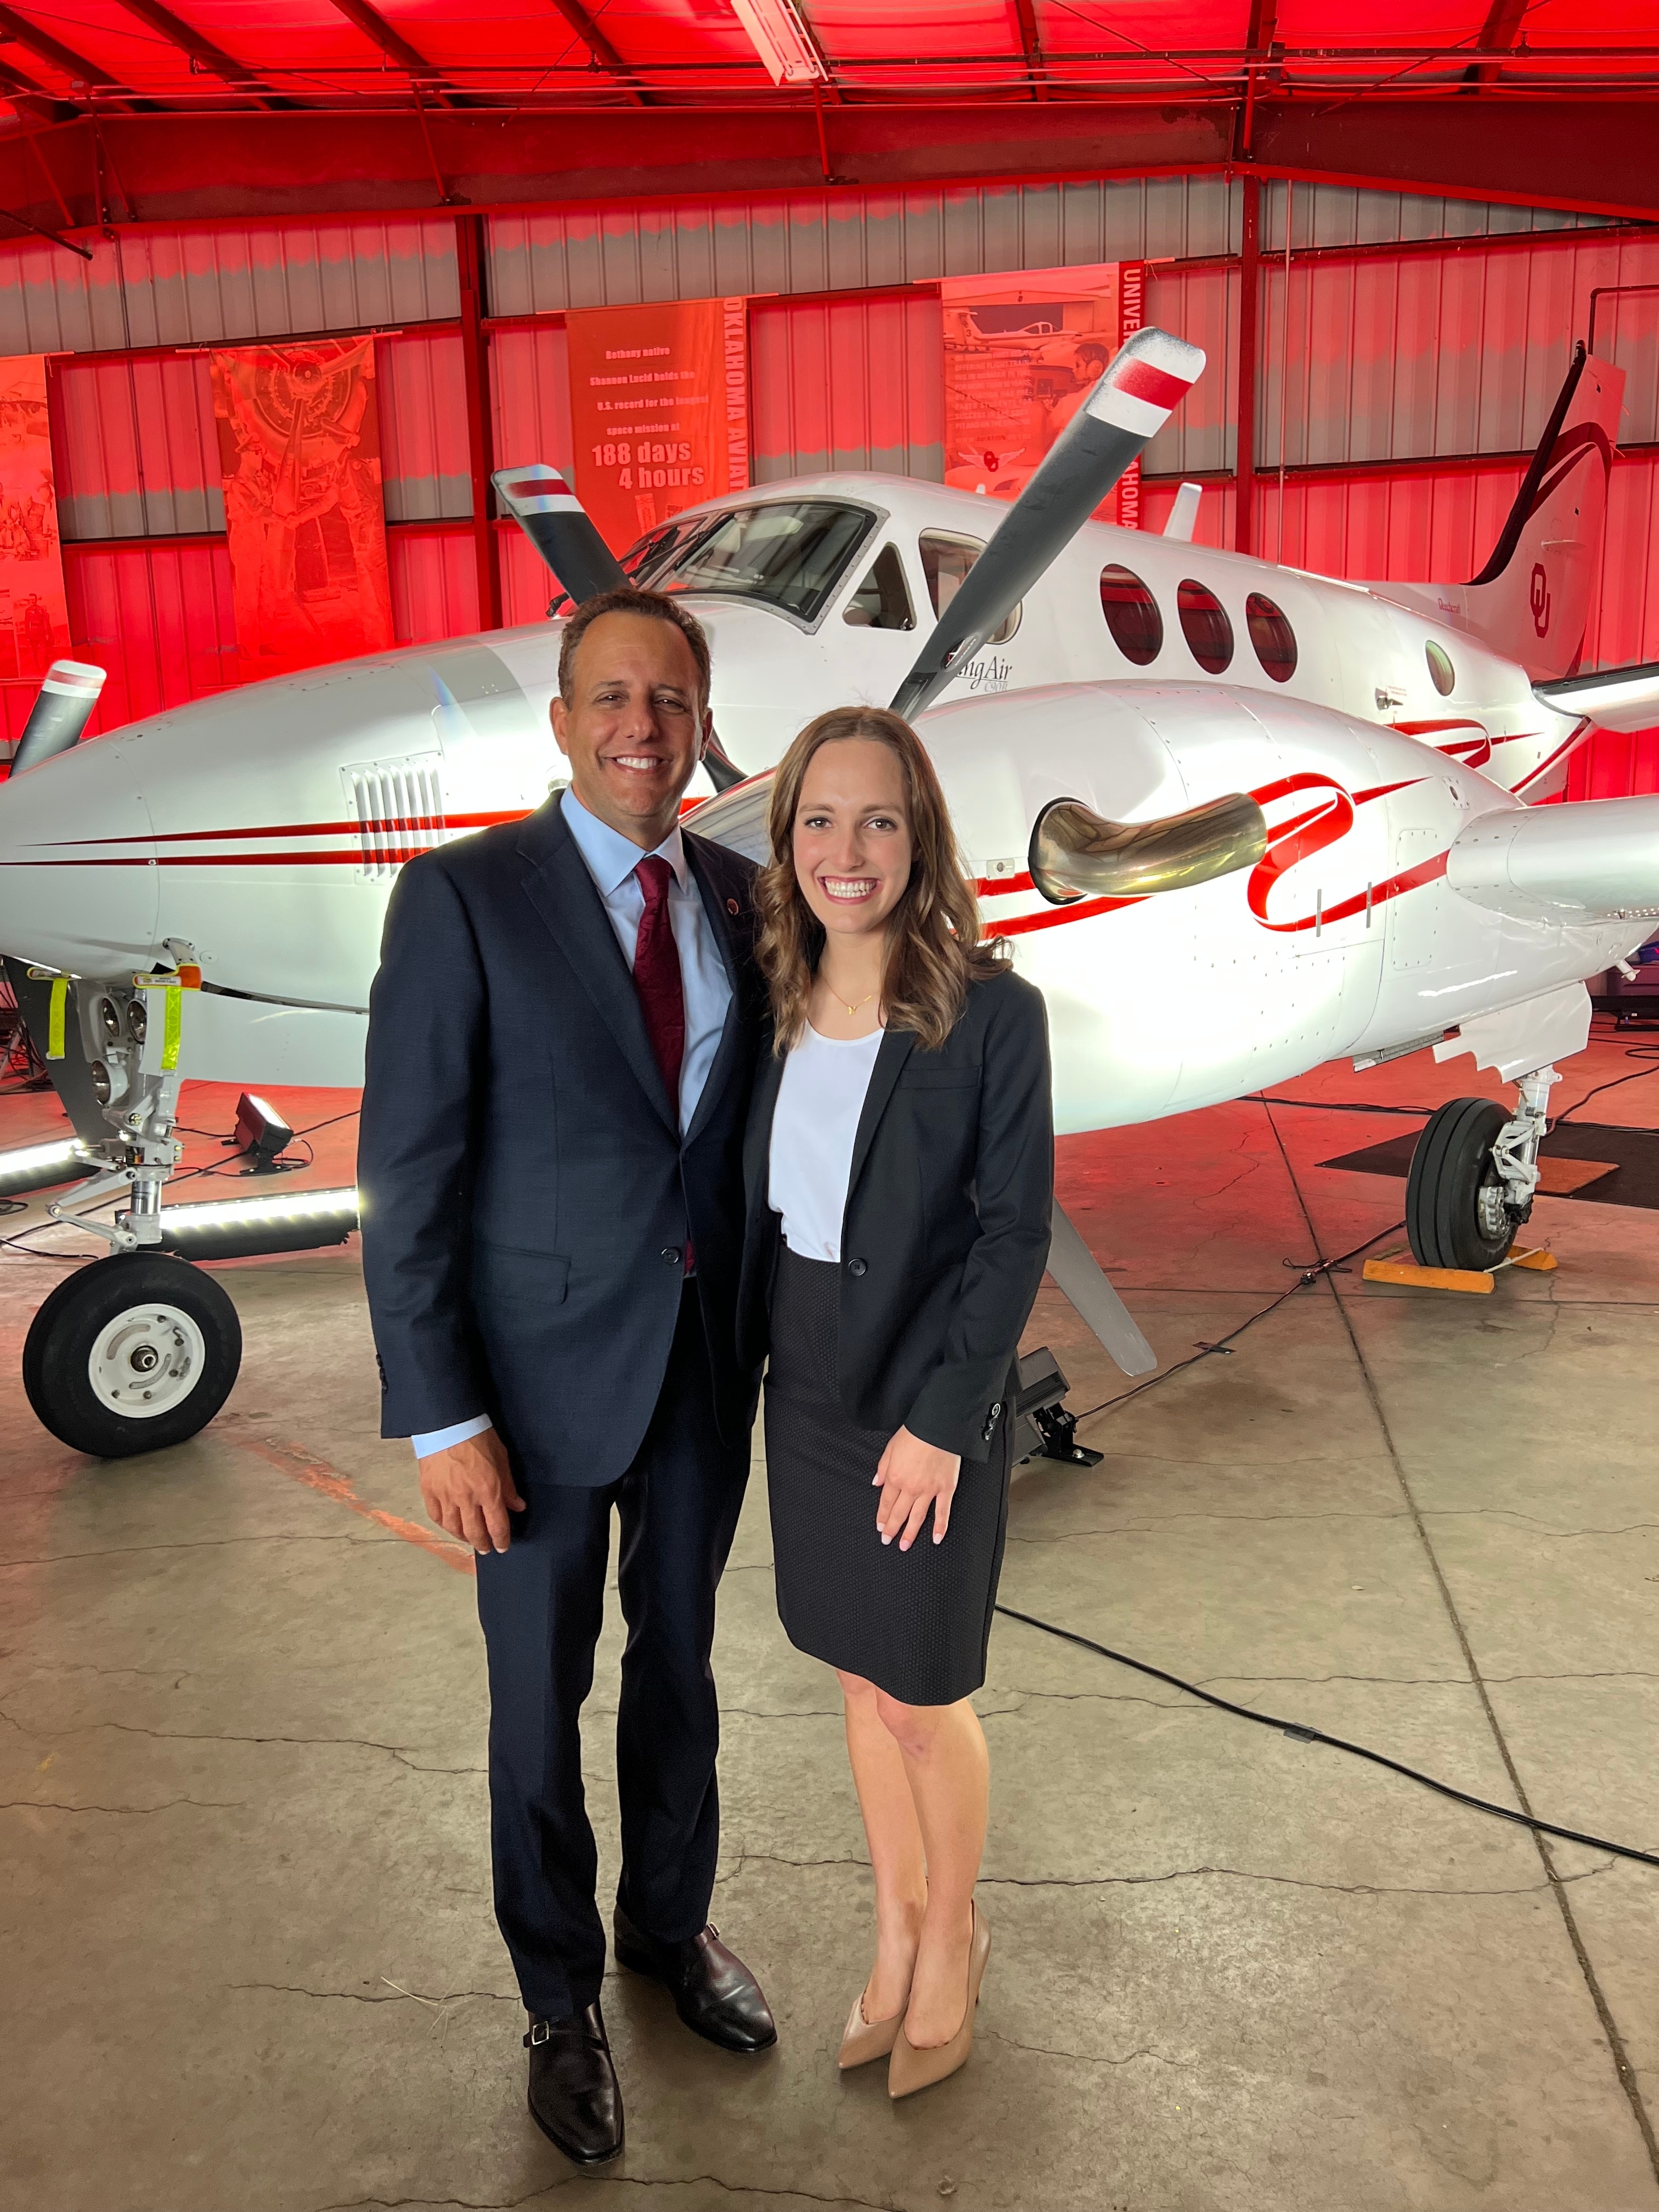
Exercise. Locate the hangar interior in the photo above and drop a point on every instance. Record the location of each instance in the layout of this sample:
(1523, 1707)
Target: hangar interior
(250, 1955)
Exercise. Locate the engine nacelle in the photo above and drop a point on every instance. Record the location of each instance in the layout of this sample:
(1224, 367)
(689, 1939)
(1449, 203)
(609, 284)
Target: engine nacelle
(1595, 861)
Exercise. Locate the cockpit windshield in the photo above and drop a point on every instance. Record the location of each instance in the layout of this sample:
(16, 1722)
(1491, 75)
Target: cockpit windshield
(789, 554)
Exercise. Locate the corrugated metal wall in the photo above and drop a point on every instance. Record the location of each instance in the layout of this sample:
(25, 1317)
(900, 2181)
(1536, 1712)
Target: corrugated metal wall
(136, 449)
(1347, 214)
(1396, 358)
(1200, 305)
(201, 287)
(1369, 359)
(846, 241)
(421, 389)
(434, 585)
(530, 394)
(158, 617)
(848, 384)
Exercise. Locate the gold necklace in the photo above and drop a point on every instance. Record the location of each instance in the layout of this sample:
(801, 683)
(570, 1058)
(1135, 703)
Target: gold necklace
(839, 1001)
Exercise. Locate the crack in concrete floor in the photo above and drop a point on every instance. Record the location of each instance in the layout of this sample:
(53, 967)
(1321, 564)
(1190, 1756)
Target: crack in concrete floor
(602, 2176)
(52, 1805)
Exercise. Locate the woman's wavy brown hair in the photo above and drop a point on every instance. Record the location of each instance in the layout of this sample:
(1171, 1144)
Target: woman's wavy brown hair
(934, 949)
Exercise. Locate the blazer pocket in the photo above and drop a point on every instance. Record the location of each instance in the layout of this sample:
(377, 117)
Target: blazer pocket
(938, 1078)
(509, 1274)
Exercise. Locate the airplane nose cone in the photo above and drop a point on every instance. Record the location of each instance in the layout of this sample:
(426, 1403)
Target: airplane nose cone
(78, 880)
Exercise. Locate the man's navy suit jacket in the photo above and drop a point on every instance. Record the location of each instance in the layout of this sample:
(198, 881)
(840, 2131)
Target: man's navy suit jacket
(525, 1192)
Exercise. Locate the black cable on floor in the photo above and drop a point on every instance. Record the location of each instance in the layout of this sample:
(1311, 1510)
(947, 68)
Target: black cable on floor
(1305, 1276)
(1339, 1105)
(1632, 1052)
(1302, 1734)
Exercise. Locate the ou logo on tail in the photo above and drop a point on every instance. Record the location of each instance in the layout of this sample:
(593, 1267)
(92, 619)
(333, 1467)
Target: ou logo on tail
(1540, 600)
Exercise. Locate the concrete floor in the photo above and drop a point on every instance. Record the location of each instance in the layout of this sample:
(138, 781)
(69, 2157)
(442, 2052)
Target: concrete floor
(248, 1954)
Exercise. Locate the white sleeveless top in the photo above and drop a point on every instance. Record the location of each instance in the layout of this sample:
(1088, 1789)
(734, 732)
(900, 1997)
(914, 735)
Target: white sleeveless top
(813, 1128)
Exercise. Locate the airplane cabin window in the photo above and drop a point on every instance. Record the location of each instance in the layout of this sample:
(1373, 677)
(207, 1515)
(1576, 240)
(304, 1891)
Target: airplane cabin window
(1440, 668)
(1132, 616)
(946, 561)
(789, 554)
(1205, 626)
(882, 601)
(1272, 636)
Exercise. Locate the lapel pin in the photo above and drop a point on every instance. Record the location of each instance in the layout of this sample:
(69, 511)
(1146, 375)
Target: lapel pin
(731, 906)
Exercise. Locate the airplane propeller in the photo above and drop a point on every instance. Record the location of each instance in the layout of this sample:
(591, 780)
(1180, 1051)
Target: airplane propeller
(556, 524)
(63, 708)
(1150, 376)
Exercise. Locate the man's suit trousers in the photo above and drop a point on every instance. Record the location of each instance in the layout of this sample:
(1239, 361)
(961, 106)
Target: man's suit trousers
(541, 1603)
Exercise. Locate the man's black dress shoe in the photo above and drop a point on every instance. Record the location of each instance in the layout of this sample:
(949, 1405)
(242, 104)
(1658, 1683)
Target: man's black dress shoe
(713, 1992)
(574, 2097)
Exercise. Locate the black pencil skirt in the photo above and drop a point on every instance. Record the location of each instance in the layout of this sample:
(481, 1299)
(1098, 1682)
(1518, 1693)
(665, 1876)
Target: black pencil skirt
(914, 1623)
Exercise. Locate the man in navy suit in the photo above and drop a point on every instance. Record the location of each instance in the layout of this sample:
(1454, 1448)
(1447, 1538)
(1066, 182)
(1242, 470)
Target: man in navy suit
(561, 1042)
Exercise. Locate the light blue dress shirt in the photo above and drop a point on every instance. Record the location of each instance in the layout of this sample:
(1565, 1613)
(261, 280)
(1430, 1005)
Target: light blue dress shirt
(611, 859)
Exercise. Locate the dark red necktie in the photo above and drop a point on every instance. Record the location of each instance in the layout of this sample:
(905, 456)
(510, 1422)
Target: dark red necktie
(657, 976)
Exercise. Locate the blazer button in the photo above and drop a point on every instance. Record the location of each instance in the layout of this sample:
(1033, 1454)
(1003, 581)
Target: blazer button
(857, 1267)
(671, 1252)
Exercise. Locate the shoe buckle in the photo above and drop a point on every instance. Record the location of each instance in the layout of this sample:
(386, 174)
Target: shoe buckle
(540, 2032)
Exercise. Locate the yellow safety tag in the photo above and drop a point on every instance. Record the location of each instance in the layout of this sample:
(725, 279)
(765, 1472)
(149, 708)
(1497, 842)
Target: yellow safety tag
(55, 1017)
(173, 1022)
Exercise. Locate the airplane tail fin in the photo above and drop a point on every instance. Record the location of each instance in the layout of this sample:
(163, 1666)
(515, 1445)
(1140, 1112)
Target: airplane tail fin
(1532, 600)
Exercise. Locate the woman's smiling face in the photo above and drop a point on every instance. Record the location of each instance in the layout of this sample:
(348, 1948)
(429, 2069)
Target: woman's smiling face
(851, 841)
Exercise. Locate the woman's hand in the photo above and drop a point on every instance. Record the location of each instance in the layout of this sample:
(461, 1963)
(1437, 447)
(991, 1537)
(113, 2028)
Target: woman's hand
(911, 1477)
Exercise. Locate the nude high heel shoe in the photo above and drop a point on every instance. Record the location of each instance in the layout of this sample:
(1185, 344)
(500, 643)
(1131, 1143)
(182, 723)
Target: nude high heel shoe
(911, 2070)
(864, 2040)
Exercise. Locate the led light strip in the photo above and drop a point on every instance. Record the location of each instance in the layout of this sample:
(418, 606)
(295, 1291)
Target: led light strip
(290, 1205)
(36, 1167)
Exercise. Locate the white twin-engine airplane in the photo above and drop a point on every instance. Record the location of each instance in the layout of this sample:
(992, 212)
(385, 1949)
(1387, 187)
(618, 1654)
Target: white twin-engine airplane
(1235, 819)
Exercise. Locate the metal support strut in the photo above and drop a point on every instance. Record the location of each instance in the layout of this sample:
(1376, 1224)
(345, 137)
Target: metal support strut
(1515, 1148)
(130, 1036)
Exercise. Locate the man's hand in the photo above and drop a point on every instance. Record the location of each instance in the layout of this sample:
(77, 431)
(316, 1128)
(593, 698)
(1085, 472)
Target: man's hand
(469, 1490)
(912, 1476)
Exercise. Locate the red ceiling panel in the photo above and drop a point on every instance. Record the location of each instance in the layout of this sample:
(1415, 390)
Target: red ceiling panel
(309, 50)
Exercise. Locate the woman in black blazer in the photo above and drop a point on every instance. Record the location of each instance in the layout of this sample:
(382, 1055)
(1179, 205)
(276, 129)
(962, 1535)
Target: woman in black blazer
(899, 1168)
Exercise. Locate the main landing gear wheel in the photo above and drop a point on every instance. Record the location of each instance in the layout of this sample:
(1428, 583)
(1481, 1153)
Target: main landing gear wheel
(1455, 1215)
(132, 1354)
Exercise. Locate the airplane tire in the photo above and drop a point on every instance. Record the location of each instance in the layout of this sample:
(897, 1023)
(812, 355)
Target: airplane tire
(1454, 1215)
(132, 1354)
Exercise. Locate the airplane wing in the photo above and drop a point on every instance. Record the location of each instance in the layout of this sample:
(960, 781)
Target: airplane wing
(1612, 698)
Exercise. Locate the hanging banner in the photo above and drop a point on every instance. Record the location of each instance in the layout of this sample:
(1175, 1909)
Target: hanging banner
(1022, 353)
(660, 409)
(300, 449)
(33, 610)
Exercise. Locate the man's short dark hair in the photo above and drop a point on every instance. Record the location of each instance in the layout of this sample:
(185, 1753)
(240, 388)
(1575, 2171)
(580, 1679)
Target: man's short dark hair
(625, 600)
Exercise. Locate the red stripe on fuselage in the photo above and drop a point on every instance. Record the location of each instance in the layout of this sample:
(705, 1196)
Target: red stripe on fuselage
(315, 829)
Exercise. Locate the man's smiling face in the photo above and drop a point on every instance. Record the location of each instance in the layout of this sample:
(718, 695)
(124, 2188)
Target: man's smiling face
(632, 728)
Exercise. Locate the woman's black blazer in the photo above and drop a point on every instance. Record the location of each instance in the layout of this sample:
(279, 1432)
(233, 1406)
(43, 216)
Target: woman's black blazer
(946, 1230)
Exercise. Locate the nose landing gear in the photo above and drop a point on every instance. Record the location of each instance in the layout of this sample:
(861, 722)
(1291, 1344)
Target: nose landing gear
(1474, 1176)
(132, 1354)
(138, 1350)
